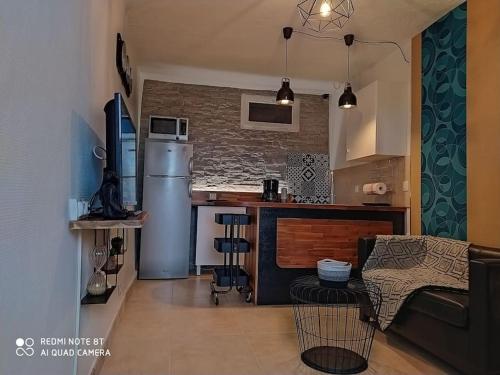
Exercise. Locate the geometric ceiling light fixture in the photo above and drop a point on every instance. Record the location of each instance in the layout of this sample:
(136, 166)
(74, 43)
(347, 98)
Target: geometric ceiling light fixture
(285, 95)
(348, 99)
(325, 15)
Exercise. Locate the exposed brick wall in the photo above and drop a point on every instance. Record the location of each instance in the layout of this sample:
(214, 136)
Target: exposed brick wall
(224, 154)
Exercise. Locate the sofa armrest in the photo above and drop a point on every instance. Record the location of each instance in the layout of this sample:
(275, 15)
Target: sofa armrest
(484, 313)
(365, 248)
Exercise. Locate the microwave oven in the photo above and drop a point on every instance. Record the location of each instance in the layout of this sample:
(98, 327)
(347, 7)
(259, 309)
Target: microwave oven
(173, 128)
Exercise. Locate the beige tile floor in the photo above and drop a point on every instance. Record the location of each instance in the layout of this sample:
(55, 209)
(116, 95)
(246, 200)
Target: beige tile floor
(172, 328)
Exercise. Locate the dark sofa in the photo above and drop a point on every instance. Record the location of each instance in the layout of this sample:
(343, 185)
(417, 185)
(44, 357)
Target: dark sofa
(461, 328)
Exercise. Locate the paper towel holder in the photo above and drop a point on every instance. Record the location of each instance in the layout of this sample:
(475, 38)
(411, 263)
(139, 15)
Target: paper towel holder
(387, 188)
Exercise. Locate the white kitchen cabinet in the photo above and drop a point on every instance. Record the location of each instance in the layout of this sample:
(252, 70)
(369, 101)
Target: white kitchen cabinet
(377, 128)
(207, 230)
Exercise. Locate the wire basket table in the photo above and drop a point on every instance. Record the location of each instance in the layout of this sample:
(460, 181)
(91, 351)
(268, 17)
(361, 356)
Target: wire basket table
(335, 325)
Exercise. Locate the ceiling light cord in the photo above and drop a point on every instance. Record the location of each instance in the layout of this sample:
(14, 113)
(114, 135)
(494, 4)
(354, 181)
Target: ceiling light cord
(385, 42)
(403, 55)
(286, 57)
(348, 68)
(285, 95)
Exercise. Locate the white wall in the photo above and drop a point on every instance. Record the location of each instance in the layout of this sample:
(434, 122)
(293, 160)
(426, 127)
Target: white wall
(56, 73)
(393, 69)
(106, 20)
(390, 69)
(222, 78)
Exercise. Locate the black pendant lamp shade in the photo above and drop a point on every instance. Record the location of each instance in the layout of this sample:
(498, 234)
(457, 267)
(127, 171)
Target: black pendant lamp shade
(285, 94)
(348, 99)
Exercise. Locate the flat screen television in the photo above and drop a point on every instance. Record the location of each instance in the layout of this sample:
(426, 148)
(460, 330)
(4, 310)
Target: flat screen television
(121, 155)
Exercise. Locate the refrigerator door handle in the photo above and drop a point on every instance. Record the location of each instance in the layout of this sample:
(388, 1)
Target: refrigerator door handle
(191, 165)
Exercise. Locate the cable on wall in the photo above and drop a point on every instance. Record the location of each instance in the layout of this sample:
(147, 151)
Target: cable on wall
(403, 55)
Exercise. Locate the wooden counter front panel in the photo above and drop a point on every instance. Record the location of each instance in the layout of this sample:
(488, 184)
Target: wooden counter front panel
(302, 242)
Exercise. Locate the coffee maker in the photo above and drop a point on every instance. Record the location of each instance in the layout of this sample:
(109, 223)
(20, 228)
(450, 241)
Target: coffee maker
(270, 187)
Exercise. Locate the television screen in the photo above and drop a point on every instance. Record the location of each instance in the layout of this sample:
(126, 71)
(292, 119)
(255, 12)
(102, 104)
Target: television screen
(121, 155)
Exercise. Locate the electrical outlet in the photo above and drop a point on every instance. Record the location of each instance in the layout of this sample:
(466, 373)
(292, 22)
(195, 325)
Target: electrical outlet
(73, 209)
(406, 186)
(77, 208)
(83, 207)
(356, 188)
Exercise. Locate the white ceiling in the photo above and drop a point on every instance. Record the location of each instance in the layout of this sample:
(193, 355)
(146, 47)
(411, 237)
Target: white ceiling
(246, 36)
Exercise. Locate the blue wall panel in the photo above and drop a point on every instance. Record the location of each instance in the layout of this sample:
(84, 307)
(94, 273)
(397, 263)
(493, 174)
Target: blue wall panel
(443, 179)
(86, 170)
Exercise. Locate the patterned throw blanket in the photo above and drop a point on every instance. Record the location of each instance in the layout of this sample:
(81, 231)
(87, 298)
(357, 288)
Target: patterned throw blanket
(400, 265)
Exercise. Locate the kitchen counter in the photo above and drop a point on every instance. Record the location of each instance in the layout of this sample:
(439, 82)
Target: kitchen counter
(232, 203)
(287, 239)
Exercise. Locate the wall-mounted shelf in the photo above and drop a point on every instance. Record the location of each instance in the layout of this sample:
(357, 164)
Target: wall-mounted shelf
(115, 270)
(106, 226)
(94, 300)
(90, 223)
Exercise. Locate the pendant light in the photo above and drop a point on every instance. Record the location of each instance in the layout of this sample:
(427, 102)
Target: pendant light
(348, 99)
(323, 16)
(285, 94)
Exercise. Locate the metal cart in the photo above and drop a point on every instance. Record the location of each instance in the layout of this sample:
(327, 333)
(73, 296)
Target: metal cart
(231, 275)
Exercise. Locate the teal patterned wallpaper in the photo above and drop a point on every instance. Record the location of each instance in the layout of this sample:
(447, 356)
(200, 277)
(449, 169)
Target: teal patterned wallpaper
(443, 179)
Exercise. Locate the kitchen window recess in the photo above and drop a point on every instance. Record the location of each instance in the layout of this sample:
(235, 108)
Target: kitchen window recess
(262, 113)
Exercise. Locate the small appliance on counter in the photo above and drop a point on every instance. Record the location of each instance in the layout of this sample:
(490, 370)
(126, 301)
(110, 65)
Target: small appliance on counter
(270, 193)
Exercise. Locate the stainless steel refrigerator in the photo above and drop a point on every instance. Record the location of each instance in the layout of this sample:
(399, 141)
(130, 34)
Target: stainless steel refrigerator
(164, 252)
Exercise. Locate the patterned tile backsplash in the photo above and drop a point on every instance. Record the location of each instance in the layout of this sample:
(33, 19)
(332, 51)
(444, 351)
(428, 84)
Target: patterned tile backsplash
(308, 177)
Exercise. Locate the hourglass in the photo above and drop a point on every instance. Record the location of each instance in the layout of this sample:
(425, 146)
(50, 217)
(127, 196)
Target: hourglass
(97, 283)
